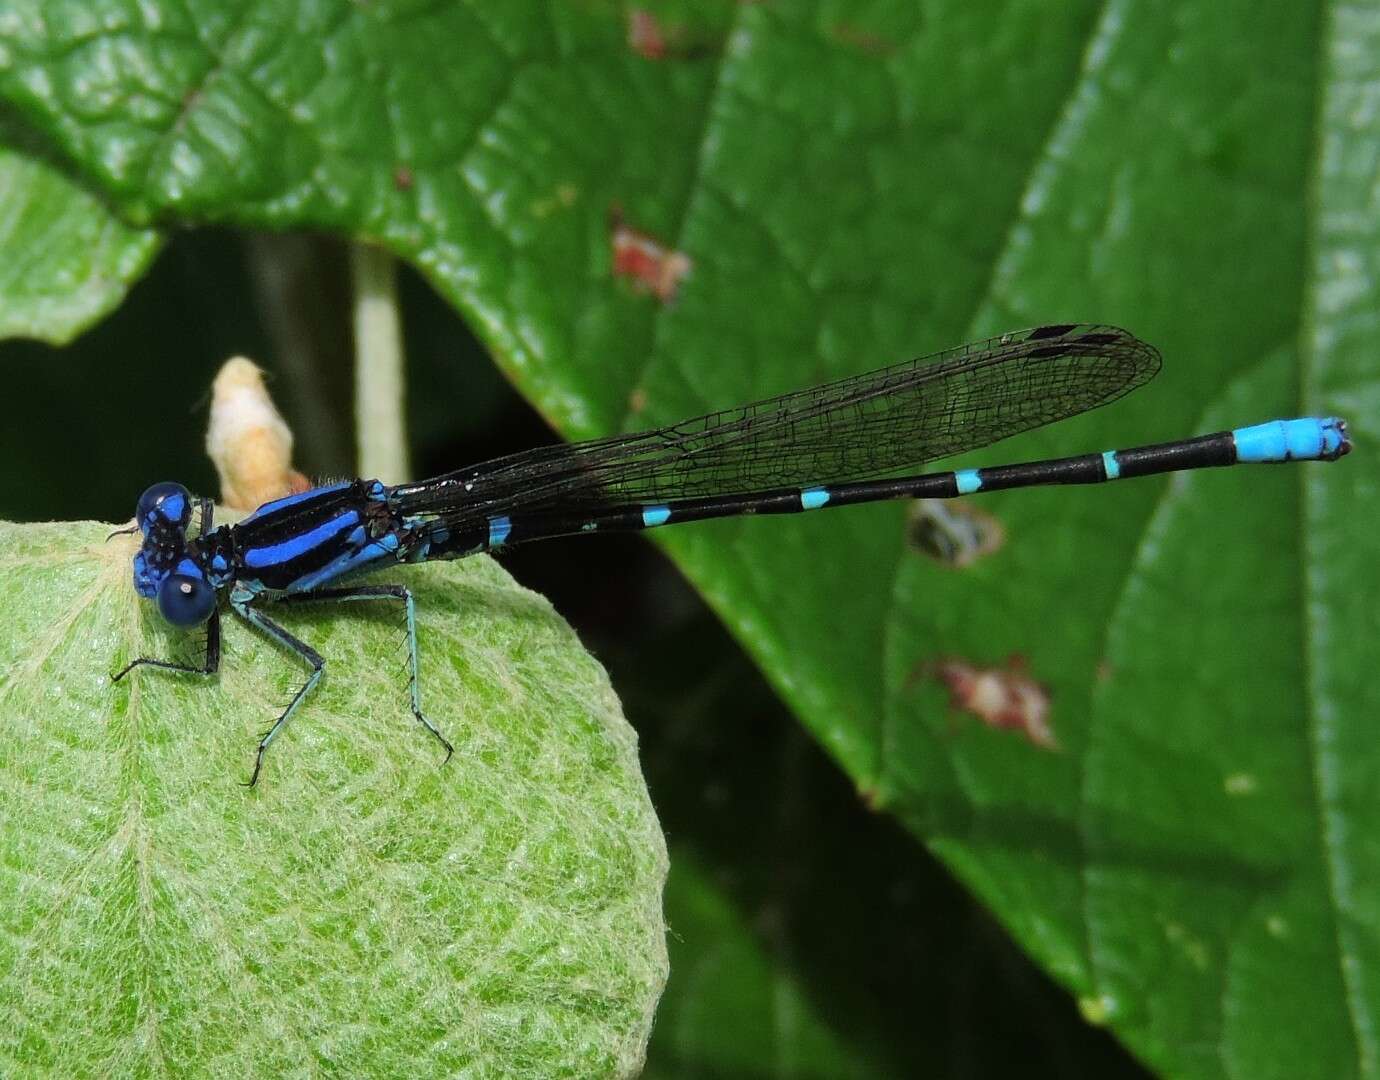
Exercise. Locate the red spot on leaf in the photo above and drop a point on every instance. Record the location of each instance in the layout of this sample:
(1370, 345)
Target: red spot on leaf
(648, 263)
(653, 39)
(645, 35)
(1003, 697)
(863, 40)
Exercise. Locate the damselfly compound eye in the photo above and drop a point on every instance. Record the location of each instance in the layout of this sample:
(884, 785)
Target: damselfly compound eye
(185, 601)
(167, 503)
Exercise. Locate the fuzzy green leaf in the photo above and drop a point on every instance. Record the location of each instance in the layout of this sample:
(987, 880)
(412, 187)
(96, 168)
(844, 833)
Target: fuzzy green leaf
(364, 910)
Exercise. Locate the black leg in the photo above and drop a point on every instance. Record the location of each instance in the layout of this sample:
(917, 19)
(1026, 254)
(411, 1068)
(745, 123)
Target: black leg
(206, 514)
(271, 629)
(383, 592)
(209, 666)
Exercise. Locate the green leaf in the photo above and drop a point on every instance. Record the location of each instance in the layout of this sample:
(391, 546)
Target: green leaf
(364, 910)
(807, 937)
(852, 184)
(65, 259)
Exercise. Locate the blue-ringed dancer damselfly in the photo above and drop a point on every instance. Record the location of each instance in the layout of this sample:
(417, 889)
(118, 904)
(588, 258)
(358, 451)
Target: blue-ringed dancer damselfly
(828, 446)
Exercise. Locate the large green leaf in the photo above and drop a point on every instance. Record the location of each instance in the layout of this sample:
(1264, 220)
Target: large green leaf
(853, 184)
(807, 937)
(67, 259)
(362, 911)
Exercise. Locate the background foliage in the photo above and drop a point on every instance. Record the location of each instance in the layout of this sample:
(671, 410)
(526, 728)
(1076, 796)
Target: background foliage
(851, 184)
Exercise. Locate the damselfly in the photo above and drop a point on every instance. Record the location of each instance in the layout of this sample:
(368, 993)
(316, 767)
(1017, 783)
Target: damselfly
(832, 445)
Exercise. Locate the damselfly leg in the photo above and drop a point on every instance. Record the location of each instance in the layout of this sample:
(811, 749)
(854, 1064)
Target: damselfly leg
(247, 608)
(244, 608)
(209, 665)
(384, 592)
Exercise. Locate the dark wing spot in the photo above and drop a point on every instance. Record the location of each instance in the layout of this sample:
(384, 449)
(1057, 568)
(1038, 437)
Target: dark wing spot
(1098, 339)
(1057, 330)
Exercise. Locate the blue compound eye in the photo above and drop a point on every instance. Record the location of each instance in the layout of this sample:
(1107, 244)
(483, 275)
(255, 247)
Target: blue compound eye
(185, 601)
(166, 503)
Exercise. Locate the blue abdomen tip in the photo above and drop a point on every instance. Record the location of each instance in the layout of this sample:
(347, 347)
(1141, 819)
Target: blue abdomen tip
(1308, 438)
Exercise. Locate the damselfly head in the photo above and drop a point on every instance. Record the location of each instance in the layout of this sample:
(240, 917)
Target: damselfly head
(163, 514)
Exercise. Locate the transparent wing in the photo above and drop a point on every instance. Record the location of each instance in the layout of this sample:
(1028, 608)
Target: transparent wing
(883, 423)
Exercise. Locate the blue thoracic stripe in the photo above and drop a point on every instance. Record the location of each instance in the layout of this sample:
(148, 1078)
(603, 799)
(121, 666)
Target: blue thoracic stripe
(1302, 439)
(1110, 465)
(277, 554)
(813, 498)
(968, 481)
(499, 528)
(293, 500)
(359, 557)
(655, 515)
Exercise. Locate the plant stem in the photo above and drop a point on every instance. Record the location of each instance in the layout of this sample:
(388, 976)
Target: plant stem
(379, 423)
